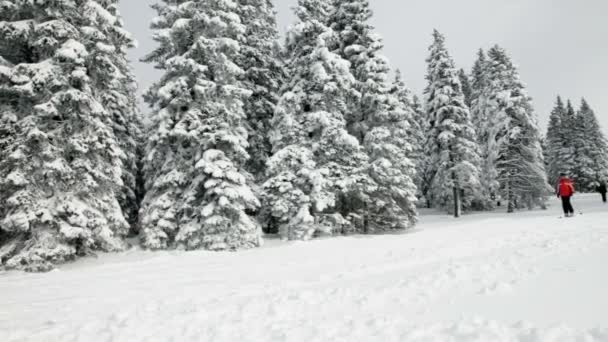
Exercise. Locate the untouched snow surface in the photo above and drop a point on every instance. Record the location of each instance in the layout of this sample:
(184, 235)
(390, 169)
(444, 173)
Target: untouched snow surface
(488, 277)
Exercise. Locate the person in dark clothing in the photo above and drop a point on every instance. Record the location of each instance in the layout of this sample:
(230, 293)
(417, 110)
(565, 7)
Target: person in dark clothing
(565, 191)
(602, 190)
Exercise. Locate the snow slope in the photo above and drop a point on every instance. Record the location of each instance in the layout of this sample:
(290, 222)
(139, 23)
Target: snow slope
(487, 277)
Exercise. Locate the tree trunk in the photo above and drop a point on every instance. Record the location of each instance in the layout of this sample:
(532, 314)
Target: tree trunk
(457, 202)
(510, 198)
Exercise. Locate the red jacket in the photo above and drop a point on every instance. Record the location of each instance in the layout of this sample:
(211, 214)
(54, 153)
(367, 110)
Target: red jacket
(565, 188)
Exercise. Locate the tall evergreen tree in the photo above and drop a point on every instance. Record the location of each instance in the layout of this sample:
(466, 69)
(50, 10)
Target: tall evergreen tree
(382, 119)
(478, 84)
(356, 42)
(557, 142)
(478, 77)
(263, 77)
(423, 178)
(61, 166)
(591, 156)
(467, 90)
(416, 131)
(451, 142)
(511, 137)
(315, 160)
(391, 128)
(572, 140)
(115, 85)
(415, 117)
(197, 192)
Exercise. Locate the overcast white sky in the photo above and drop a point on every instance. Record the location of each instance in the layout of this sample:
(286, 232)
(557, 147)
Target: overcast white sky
(560, 45)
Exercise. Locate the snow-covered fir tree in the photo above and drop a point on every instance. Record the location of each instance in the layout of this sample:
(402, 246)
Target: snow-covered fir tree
(478, 107)
(467, 90)
(423, 180)
(591, 157)
(61, 166)
(451, 141)
(416, 127)
(393, 202)
(197, 192)
(478, 73)
(382, 120)
(263, 77)
(356, 42)
(511, 139)
(415, 117)
(315, 161)
(572, 138)
(477, 84)
(558, 150)
(115, 85)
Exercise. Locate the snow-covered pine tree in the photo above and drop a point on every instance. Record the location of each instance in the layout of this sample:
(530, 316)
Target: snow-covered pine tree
(572, 137)
(415, 117)
(357, 43)
(423, 178)
(388, 144)
(197, 192)
(513, 140)
(478, 77)
(479, 111)
(263, 76)
(382, 120)
(591, 156)
(116, 88)
(451, 141)
(478, 84)
(556, 143)
(61, 166)
(417, 127)
(467, 90)
(315, 160)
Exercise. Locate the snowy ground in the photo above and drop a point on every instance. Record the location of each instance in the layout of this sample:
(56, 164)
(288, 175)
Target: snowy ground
(487, 277)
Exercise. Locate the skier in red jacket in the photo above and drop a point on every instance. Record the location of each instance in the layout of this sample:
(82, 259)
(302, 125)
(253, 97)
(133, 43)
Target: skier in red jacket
(565, 191)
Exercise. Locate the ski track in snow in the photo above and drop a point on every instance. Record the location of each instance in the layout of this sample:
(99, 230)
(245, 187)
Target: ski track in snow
(486, 277)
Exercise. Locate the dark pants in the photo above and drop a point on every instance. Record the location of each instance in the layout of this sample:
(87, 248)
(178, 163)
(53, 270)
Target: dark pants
(567, 205)
(603, 196)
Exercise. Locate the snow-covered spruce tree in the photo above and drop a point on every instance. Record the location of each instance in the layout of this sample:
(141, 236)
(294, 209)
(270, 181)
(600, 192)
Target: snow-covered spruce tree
(416, 130)
(572, 135)
(263, 76)
(478, 84)
(116, 88)
(478, 73)
(197, 194)
(415, 117)
(382, 120)
(513, 141)
(393, 203)
(557, 144)
(451, 142)
(467, 90)
(479, 109)
(356, 42)
(61, 166)
(422, 164)
(591, 157)
(315, 160)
